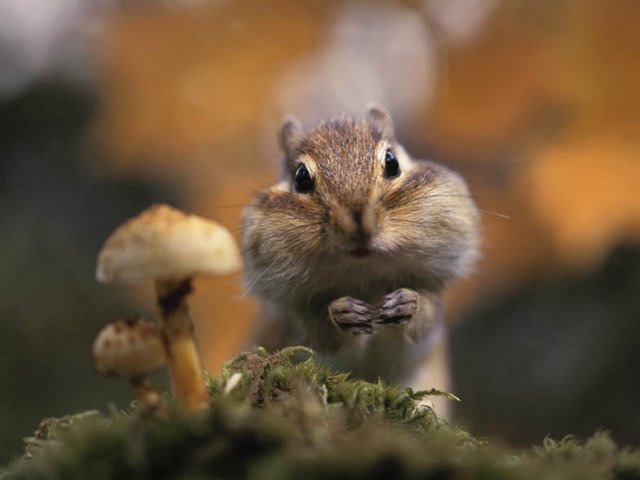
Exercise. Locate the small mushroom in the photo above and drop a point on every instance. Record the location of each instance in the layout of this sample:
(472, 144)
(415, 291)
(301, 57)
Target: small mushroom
(132, 348)
(171, 247)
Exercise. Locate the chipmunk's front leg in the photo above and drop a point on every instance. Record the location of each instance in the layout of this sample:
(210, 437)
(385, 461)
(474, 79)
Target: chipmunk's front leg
(418, 313)
(351, 315)
(398, 307)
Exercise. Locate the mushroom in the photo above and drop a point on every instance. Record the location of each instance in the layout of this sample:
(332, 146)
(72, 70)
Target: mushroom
(171, 247)
(132, 348)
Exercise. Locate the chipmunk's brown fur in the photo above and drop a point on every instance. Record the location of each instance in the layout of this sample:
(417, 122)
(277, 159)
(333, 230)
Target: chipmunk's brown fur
(353, 267)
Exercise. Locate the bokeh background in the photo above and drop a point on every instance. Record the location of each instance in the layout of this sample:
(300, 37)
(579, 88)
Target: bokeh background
(107, 107)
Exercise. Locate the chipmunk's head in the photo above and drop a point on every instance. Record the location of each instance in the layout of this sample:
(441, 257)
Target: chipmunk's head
(345, 168)
(350, 195)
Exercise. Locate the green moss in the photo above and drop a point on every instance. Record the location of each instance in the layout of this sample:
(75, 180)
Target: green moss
(286, 419)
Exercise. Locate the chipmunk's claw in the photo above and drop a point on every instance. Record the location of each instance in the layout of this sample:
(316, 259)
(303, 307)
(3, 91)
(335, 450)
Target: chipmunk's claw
(397, 307)
(352, 316)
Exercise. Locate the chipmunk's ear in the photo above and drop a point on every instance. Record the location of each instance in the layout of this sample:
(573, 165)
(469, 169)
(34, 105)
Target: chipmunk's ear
(290, 135)
(380, 120)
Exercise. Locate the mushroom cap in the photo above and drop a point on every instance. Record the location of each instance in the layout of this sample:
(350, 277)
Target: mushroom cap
(129, 348)
(165, 243)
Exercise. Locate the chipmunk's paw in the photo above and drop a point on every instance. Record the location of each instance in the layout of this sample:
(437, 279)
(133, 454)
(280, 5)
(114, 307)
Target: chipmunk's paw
(397, 307)
(352, 315)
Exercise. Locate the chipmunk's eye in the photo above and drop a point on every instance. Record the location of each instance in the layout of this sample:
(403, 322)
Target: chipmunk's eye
(391, 165)
(302, 179)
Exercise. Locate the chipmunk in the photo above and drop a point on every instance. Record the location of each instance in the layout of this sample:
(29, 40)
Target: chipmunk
(350, 250)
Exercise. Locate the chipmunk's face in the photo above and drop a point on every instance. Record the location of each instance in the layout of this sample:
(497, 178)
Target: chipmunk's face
(348, 174)
(351, 198)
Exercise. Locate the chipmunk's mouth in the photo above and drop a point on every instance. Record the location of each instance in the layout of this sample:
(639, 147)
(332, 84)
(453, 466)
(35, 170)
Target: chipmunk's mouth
(359, 252)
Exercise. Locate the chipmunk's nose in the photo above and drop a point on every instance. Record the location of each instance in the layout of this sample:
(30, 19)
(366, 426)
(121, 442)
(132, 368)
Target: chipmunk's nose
(357, 216)
(357, 224)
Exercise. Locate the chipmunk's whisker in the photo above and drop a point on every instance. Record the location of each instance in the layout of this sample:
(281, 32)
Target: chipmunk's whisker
(497, 214)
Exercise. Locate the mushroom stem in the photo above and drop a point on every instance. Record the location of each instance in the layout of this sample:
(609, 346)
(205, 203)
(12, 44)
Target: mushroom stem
(187, 379)
(145, 394)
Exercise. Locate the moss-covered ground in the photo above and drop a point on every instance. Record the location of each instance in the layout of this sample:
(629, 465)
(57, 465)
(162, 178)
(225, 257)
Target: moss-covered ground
(273, 418)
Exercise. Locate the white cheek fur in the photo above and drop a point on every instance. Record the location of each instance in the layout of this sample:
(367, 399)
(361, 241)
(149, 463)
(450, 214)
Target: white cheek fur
(282, 186)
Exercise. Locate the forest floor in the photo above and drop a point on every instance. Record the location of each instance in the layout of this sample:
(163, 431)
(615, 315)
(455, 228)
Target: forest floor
(274, 418)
